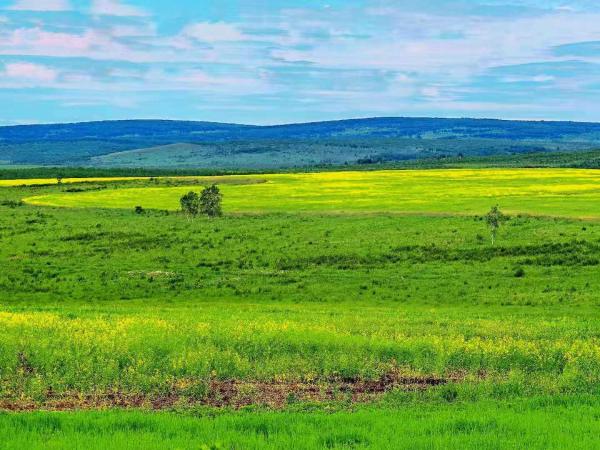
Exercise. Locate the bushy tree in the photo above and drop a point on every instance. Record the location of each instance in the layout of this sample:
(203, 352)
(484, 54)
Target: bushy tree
(190, 204)
(210, 201)
(494, 219)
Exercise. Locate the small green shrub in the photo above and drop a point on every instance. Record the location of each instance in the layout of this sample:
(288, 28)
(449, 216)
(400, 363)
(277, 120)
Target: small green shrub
(12, 203)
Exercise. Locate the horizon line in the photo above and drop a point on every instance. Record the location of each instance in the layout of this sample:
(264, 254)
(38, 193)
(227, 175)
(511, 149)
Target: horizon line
(311, 122)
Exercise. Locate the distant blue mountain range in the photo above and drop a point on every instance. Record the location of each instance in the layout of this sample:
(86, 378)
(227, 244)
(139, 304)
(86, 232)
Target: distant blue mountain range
(207, 144)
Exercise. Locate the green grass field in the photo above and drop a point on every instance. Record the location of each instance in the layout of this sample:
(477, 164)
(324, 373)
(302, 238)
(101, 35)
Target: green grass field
(315, 314)
(540, 422)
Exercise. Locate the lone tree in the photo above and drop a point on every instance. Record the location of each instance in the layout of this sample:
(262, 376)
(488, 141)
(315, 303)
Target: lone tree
(495, 218)
(190, 204)
(210, 201)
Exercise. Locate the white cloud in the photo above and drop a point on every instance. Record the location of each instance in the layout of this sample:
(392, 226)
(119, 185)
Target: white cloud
(119, 102)
(533, 79)
(41, 5)
(116, 8)
(35, 41)
(29, 71)
(25, 74)
(139, 30)
(214, 32)
(198, 80)
(431, 91)
(91, 43)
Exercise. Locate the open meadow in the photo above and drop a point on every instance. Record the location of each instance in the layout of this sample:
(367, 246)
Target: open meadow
(324, 310)
(551, 192)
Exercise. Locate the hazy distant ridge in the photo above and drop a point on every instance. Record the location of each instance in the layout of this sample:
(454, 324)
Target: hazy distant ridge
(209, 144)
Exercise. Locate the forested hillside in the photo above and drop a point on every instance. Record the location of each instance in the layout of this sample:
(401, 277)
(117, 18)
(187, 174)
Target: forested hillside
(177, 144)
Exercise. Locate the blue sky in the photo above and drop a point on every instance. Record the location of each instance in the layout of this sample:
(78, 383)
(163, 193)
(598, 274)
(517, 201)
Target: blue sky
(278, 61)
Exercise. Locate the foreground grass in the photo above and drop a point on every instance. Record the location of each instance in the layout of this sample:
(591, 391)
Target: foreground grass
(552, 192)
(536, 423)
(99, 302)
(176, 353)
(105, 307)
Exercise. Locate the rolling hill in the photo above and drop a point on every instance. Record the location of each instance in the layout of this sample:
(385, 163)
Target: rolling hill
(179, 144)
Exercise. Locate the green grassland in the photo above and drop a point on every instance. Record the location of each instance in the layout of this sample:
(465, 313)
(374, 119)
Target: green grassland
(315, 314)
(543, 422)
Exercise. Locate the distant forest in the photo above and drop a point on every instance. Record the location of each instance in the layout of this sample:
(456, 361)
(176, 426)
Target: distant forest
(580, 160)
(214, 146)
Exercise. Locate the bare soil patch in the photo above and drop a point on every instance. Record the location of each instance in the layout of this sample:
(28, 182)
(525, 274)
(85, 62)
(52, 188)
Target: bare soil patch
(237, 394)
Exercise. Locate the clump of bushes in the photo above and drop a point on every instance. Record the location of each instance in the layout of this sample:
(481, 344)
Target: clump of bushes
(207, 203)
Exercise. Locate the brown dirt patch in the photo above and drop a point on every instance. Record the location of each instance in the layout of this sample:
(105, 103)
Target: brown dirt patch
(237, 394)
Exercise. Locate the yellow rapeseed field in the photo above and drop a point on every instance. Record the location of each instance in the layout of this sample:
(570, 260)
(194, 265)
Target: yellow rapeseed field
(550, 192)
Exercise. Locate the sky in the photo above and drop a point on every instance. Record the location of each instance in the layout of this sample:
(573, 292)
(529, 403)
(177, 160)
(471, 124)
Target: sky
(283, 61)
